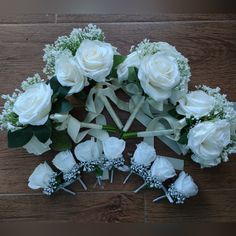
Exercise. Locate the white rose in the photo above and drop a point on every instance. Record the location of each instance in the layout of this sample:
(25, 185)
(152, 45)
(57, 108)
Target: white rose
(87, 151)
(41, 176)
(132, 60)
(64, 161)
(69, 74)
(144, 154)
(185, 185)
(196, 104)
(158, 75)
(34, 146)
(162, 169)
(33, 106)
(113, 147)
(95, 58)
(207, 141)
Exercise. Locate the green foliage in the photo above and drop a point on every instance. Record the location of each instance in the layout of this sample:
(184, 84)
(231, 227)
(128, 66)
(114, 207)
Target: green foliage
(59, 91)
(21, 137)
(60, 141)
(132, 77)
(174, 114)
(98, 171)
(117, 60)
(61, 106)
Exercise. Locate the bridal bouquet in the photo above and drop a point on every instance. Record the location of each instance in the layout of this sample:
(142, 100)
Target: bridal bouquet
(154, 75)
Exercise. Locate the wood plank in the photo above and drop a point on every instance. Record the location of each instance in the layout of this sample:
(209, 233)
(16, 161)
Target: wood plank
(210, 47)
(27, 18)
(208, 206)
(83, 208)
(158, 17)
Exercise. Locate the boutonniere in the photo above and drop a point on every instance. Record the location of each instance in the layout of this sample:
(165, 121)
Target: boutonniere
(113, 149)
(43, 177)
(141, 161)
(183, 188)
(65, 162)
(160, 171)
(89, 157)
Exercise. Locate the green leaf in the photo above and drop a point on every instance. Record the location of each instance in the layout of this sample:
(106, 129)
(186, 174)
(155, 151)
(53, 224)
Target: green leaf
(173, 113)
(58, 90)
(61, 106)
(43, 132)
(20, 137)
(132, 77)
(98, 171)
(183, 139)
(117, 60)
(60, 141)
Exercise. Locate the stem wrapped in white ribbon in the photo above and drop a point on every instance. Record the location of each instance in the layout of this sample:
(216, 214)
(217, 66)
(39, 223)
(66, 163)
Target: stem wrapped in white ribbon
(143, 134)
(133, 114)
(111, 111)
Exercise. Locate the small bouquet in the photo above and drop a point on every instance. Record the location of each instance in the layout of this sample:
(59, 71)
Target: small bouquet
(113, 158)
(181, 189)
(141, 161)
(210, 125)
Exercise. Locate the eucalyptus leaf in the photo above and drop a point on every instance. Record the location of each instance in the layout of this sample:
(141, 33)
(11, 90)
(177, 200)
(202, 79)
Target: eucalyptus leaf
(117, 60)
(20, 137)
(132, 77)
(42, 133)
(60, 141)
(183, 139)
(58, 90)
(61, 106)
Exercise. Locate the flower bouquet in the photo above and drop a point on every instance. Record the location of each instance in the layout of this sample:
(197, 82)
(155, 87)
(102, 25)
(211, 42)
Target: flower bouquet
(39, 116)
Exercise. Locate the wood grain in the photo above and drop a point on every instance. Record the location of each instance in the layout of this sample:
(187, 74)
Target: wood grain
(209, 41)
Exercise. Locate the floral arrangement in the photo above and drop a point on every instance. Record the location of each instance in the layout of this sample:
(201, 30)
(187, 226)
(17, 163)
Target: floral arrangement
(155, 76)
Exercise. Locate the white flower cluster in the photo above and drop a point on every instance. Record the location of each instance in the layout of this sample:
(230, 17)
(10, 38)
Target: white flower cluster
(14, 114)
(8, 119)
(223, 109)
(162, 70)
(69, 45)
(30, 81)
(211, 135)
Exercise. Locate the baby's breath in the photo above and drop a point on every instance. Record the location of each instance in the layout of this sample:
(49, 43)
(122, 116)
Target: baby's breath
(9, 119)
(223, 109)
(69, 45)
(31, 81)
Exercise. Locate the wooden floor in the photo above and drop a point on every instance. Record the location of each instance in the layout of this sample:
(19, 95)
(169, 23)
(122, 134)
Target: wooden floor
(209, 41)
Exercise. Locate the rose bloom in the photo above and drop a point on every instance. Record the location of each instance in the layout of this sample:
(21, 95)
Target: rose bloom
(33, 106)
(185, 185)
(197, 104)
(41, 176)
(207, 141)
(132, 60)
(95, 58)
(158, 75)
(69, 74)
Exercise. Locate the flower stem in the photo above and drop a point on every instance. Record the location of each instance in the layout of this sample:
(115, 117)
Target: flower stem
(68, 191)
(83, 184)
(140, 187)
(111, 111)
(108, 128)
(133, 114)
(126, 179)
(159, 198)
(143, 134)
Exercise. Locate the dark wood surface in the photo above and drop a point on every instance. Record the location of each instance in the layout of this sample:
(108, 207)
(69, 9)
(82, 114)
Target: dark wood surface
(209, 41)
